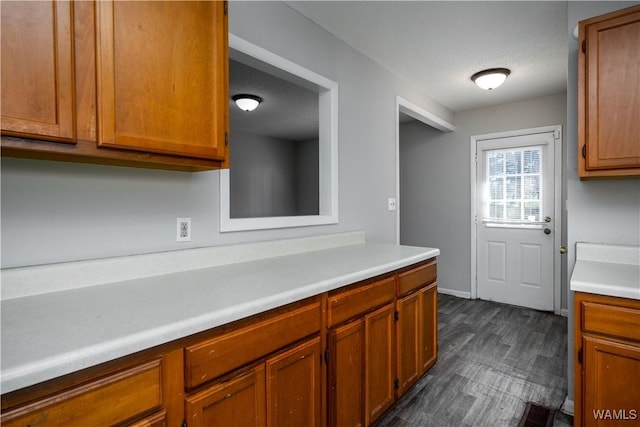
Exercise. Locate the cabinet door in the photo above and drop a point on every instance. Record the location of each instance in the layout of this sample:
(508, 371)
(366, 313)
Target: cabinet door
(409, 332)
(162, 77)
(429, 324)
(346, 375)
(612, 93)
(293, 386)
(379, 362)
(37, 69)
(611, 374)
(239, 402)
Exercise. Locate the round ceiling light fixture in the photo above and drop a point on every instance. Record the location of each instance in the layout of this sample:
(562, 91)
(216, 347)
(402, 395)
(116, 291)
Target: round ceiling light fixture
(491, 78)
(247, 102)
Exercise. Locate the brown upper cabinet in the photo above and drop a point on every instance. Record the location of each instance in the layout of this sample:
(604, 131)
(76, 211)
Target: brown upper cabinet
(141, 84)
(609, 95)
(37, 70)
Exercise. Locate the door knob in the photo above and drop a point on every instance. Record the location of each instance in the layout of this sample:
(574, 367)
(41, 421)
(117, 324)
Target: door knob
(547, 231)
(547, 219)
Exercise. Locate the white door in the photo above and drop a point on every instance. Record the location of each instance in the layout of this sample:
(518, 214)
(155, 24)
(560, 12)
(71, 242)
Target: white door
(514, 224)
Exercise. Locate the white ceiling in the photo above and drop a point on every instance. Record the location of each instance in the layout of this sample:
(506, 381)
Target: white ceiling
(438, 45)
(288, 110)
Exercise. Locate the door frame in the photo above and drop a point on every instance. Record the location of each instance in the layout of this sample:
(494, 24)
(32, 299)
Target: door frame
(557, 238)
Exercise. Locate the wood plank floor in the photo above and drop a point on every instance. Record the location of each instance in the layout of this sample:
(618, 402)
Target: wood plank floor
(492, 359)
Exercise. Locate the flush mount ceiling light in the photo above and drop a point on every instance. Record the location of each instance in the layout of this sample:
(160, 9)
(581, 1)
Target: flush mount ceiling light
(491, 78)
(247, 102)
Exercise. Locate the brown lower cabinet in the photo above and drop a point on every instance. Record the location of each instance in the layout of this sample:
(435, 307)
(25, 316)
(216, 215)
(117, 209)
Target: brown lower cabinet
(607, 361)
(340, 358)
(381, 339)
(284, 390)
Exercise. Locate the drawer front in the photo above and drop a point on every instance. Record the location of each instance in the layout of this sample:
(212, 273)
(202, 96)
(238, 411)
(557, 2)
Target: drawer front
(417, 278)
(217, 356)
(616, 321)
(348, 304)
(106, 401)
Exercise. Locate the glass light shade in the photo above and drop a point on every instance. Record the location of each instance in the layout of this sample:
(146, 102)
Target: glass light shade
(490, 79)
(247, 102)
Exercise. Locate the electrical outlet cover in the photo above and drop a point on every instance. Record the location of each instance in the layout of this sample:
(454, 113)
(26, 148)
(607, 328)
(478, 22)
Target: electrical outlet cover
(183, 230)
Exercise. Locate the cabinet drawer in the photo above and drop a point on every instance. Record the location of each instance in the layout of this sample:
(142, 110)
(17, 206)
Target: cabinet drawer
(611, 320)
(217, 356)
(106, 401)
(417, 278)
(348, 304)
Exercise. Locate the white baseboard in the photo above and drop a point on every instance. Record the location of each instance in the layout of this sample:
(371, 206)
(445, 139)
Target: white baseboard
(455, 293)
(564, 312)
(567, 406)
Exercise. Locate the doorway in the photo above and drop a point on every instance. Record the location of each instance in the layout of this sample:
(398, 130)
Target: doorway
(407, 110)
(516, 217)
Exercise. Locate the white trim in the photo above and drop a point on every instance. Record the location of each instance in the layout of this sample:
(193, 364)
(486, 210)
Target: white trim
(328, 151)
(564, 312)
(568, 406)
(418, 113)
(557, 239)
(455, 293)
(426, 117)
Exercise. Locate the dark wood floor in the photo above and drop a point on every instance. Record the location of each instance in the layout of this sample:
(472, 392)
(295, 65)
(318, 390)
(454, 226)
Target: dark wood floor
(492, 360)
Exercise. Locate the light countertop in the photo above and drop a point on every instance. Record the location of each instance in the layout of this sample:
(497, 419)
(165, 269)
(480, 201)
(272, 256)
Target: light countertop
(607, 270)
(48, 335)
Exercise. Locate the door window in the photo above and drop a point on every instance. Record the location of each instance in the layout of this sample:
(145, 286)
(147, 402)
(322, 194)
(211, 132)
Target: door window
(513, 186)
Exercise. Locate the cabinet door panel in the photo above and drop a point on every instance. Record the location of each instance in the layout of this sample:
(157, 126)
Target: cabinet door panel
(613, 85)
(429, 323)
(346, 375)
(379, 362)
(239, 402)
(162, 77)
(293, 386)
(409, 330)
(611, 376)
(37, 69)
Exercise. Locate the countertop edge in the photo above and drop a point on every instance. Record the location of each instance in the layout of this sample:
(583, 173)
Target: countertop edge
(61, 364)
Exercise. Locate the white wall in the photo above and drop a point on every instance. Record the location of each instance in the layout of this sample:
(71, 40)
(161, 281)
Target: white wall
(263, 179)
(273, 176)
(53, 212)
(603, 211)
(435, 198)
(307, 180)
